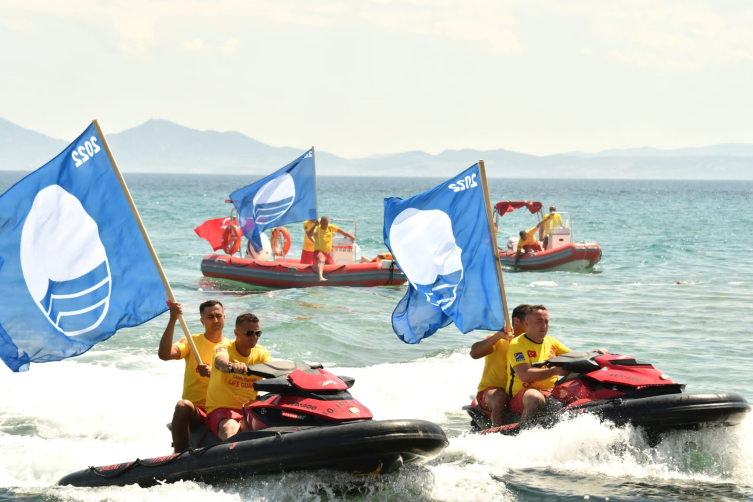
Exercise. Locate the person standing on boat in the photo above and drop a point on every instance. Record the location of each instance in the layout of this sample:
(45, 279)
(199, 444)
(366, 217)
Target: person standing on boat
(307, 255)
(527, 242)
(551, 220)
(322, 233)
(491, 390)
(229, 385)
(189, 412)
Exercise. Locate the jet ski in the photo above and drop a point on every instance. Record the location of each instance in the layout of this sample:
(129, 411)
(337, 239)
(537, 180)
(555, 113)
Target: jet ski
(621, 390)
(306, 420)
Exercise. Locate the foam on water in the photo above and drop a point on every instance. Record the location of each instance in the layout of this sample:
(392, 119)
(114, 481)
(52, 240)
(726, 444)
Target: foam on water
(49, 434)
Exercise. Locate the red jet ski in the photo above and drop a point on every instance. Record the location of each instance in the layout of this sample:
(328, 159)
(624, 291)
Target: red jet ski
(621, 390)
(306, 420)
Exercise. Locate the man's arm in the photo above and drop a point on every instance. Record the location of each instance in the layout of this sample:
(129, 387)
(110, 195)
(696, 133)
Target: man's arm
(529, 374)
(167, 350)
(312, 231)
(223, 364)
(346, 234)
(486, 346)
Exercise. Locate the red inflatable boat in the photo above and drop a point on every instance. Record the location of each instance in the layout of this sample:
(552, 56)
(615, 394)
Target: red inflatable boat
(562, 253)
(292, 274)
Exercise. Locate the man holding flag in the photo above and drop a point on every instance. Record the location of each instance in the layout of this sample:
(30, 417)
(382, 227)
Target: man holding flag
(76, 264)
(443, 240)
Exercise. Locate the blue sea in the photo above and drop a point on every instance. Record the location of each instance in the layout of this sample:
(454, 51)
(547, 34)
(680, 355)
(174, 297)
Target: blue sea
(674, 287)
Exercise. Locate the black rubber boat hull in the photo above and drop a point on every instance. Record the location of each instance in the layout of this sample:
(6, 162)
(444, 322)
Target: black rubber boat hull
(360, 447)
(656, 414)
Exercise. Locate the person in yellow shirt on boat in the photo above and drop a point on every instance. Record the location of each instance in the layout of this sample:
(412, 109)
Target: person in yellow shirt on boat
(229, 385)
(527, 242)
(190, 410)
(492, 394)
(378, 258)
(322, 233)
(307, 255)
(551, 220)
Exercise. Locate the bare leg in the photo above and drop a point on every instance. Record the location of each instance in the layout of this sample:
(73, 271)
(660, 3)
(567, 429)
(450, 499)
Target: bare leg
(184, 418)
(496, 400)
(320, 268)
(533, 400)
(227, 427)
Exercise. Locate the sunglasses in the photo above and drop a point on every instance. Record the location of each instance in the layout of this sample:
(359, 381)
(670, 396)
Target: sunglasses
(252, 333)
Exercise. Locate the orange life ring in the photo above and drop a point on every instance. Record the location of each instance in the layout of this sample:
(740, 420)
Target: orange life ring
(285, 241)
(231, 239)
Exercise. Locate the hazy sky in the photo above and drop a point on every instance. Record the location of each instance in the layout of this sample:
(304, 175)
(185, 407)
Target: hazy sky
(357, 78)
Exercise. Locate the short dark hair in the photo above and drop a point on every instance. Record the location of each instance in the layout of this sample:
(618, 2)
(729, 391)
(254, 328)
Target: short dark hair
(247, 317)
(207, 304)
(521, 311)
(522, 233)
(536, 307)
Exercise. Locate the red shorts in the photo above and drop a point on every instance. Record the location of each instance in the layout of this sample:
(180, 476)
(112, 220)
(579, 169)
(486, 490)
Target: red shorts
(532, 247)
(202, 413)
(326, 256)
(481, 398)
(220, 414)
(307, 257)
(516, 403)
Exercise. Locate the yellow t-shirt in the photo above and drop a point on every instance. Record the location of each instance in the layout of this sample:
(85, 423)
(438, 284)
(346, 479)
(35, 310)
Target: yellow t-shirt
(308, 244)
(524, 350)
(195, 385)
(323, 238)
(231, 390)
(495, 367)
(529, 240)
(552, 221)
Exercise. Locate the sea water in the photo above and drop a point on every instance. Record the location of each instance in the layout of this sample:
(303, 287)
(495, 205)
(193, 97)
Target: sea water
(673, 288)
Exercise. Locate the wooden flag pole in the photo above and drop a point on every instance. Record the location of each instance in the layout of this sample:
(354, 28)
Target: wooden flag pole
(148, 241)
(487, 202)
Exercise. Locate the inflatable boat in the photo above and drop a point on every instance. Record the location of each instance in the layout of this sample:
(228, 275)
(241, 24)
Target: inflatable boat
(292, 274)
(306, 420)
(561, 252)
(621, 390)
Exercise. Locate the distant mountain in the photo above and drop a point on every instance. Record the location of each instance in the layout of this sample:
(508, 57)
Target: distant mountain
(25, 150)
(165, 147)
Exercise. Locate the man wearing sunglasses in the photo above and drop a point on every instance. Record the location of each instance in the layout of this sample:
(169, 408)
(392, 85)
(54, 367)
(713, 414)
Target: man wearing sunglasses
(229, 386)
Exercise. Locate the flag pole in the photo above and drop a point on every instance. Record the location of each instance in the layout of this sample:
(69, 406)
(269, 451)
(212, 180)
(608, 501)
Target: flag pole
(148, 241)
(316, 196)
(487, 203)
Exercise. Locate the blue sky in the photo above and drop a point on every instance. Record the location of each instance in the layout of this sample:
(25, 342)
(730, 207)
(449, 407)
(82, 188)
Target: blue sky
(362, 77)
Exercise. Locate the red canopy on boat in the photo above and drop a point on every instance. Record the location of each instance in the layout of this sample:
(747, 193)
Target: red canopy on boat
(509, 206)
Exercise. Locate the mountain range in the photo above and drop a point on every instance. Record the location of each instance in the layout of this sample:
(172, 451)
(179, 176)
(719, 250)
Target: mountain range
(162, 146)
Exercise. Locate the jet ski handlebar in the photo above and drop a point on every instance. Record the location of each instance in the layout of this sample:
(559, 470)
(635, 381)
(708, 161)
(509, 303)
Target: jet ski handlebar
(277, 369)
(578, 362)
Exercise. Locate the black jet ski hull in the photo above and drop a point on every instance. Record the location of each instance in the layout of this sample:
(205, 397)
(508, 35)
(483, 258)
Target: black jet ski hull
(655, 414)
(360, 447)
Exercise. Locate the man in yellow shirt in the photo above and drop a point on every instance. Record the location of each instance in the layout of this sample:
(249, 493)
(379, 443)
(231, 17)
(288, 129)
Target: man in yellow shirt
(551, 220)
(189, 412)
(307, 255)
(322, 233)
(229, 385)
(527, 242)
(491, 390)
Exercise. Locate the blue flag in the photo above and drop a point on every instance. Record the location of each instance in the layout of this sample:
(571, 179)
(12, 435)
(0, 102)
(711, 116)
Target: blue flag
(74, 267)
(441, 240)
(285, 196)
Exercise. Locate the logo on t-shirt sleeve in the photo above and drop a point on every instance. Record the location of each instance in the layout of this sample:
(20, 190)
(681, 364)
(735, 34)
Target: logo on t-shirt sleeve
(519, 357)
(531, 353)
(220, 349)
(182, 340)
